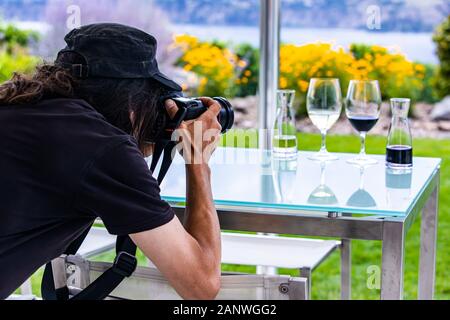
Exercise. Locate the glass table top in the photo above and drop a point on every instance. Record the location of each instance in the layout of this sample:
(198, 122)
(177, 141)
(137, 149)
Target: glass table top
(252, 178)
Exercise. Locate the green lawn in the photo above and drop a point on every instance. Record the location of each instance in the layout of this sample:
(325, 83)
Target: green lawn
(326, 278)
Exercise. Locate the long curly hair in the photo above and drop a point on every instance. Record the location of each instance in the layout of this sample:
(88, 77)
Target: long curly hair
(115, 99)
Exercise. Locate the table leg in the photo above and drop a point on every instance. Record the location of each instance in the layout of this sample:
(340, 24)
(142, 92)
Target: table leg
(263, 270)
(428, 233)
(346, 269)
(392, 260)
(307, 273)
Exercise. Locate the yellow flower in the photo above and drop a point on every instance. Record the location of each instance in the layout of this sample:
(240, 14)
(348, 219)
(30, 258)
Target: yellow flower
(242, 64)
(303, 85)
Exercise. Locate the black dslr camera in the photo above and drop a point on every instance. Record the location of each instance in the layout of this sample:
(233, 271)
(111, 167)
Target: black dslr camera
(188, 109)
(191, 109)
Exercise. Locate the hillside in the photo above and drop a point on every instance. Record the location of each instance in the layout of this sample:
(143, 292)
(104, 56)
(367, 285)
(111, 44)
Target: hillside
(397, 15)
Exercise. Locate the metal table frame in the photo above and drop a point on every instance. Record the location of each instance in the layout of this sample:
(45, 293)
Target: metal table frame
(390, 230)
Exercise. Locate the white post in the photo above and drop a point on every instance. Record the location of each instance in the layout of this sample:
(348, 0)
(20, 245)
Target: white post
(269, 68)
(268, 85)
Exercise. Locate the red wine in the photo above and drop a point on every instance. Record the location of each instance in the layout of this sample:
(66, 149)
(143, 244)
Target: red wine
(363, 123)
(399, 155)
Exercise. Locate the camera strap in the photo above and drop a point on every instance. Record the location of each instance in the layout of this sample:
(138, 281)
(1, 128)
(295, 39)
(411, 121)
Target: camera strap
(124, 265)
(164, 149)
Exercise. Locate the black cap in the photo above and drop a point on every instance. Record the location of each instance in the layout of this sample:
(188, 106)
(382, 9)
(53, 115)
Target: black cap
(115, 51)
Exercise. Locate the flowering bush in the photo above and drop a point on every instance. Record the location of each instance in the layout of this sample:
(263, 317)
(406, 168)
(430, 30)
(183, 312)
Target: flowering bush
(298, 64)
(217, 67)
(398, 76)
(225, 72)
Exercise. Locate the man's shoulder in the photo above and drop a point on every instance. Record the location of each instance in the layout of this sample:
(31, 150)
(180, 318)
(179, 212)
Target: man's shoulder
(74, 126)
(78, 116)
(66, 104)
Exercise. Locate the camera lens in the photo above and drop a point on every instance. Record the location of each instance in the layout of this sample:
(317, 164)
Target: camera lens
(226, 114)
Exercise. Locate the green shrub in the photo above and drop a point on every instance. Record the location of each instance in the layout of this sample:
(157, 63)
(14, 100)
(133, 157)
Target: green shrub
(14, 55)
(12, 37)
(19, 62)
(248, 78)
(442, 40)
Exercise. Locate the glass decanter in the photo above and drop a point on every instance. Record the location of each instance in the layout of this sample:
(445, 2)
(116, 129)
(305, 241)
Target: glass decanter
(285, 132)
(399, 153)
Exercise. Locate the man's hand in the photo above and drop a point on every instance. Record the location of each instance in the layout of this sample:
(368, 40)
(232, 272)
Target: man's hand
(189, 256)
(198, 138)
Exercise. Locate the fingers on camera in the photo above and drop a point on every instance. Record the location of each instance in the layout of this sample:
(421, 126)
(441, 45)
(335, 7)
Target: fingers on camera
(171, 108)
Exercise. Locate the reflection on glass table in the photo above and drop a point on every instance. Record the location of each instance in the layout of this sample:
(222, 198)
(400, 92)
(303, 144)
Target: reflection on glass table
(323, 194)
(246, 178)
(284, 174)
(361, 198)
(398, 187)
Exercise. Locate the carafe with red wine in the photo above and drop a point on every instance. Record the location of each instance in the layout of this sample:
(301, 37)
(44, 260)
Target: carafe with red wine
(399, 153)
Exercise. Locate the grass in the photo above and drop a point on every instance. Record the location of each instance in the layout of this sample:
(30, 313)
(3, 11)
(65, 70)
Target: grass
(326, 279)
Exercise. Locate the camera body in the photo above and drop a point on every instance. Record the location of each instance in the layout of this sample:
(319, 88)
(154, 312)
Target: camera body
(191, 109)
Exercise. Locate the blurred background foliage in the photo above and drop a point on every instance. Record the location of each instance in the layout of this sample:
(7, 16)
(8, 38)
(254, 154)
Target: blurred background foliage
(14, 53)
(442, 40)
(222, 69)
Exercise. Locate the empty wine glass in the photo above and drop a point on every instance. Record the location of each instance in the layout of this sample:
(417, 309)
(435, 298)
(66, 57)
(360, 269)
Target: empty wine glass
(363, 106)
(324, 104)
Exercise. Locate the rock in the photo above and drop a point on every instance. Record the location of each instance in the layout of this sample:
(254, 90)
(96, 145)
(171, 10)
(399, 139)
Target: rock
(422, 124)
(441, 110)
(444, 125)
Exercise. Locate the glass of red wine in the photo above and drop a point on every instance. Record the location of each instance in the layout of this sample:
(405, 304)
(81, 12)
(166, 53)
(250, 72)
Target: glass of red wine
(363, 107)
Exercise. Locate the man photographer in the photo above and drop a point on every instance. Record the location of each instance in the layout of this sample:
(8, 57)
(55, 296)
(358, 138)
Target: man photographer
(73, 138)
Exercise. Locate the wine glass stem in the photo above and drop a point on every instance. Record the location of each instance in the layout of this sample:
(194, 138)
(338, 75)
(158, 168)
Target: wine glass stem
(323, 149)
(363, 144)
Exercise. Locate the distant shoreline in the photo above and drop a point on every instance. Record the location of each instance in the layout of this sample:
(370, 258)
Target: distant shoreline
(416, 46)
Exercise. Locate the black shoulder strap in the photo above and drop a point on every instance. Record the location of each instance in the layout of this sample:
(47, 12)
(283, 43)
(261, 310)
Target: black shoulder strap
(164, 148)
(125, 262)
(124, 265)
(48, 290)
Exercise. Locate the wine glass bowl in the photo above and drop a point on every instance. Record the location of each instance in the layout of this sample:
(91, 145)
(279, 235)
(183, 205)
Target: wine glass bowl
(324, 106)
(363, 107)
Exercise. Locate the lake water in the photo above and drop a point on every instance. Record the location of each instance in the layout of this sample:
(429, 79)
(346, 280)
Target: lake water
(416, 46)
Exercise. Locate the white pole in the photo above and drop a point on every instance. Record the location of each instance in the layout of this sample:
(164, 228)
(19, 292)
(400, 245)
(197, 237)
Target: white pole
(269, 68)
(268, 85)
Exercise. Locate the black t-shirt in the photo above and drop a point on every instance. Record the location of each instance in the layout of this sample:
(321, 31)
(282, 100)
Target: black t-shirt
(62, 165)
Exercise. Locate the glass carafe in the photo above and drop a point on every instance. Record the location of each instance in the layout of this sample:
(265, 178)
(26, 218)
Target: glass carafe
(285, 132)
(399, 154)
